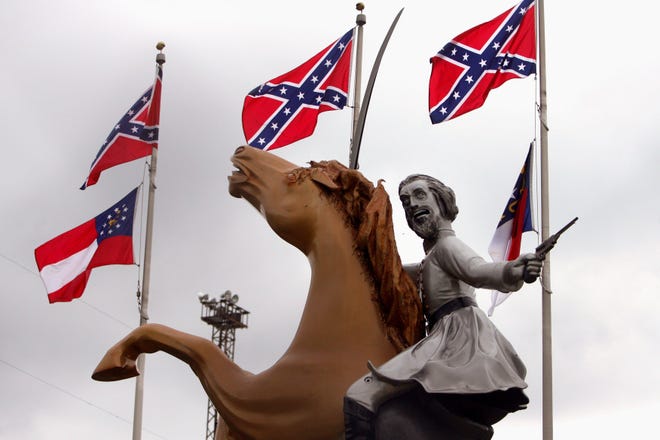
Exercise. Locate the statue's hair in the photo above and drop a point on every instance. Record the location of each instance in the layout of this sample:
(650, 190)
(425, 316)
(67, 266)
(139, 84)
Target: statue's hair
(444, 195)
(368, 213)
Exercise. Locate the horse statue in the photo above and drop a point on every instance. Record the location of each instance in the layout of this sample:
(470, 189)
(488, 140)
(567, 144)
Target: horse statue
(361, 305)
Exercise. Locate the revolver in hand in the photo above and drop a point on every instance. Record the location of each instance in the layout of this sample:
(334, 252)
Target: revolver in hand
(545, 247)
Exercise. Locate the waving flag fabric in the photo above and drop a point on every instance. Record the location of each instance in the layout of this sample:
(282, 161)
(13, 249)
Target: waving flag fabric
(285, 109)
(133, 136)
(66, 261)
(516, 219)
(481, 59)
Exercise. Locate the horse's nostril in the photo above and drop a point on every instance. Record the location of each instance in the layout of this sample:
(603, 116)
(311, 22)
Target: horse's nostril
(239, 149)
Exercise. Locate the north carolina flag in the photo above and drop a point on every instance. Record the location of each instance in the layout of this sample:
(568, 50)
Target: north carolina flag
(134, 136)
(516, 219)
(66, 261)
(467, 68)
(285, 109)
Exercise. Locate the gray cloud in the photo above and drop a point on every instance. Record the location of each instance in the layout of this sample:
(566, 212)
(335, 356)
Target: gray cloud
(71, 69)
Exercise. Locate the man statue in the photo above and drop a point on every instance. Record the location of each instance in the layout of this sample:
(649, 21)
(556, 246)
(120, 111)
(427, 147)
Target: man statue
(464, 375)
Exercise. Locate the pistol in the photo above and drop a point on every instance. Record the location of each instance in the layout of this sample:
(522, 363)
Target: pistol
(547, 245)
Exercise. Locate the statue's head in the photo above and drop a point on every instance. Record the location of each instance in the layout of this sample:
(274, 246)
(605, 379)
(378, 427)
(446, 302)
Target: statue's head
(427, 203)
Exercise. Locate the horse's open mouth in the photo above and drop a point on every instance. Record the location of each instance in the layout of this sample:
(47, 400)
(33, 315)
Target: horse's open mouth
(238, 175)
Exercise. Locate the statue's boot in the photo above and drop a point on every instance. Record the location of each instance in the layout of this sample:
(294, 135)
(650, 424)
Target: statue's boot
(358, 421)
(419, 416)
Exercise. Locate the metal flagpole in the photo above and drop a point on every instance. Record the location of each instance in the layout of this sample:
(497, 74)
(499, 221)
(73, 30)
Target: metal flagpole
(144, 299)
(360, 20)
(546, 291)
(359, 127)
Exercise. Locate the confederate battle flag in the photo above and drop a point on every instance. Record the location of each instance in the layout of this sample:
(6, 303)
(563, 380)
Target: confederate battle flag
(134, 136)
(467, 68)
(285, 109)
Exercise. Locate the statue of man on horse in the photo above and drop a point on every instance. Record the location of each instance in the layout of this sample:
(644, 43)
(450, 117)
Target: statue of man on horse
(464, 375)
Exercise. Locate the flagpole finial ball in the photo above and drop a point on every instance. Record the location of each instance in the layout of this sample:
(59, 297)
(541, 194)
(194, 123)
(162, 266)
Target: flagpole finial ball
(160, 45)
(361, 19)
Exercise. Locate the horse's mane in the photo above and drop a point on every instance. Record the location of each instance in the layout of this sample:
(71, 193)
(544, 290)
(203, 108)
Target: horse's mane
(368, 213)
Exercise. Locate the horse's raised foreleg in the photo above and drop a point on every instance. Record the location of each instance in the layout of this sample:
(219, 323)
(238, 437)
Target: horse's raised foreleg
(226, 384)
(119, 361)
(209, 363)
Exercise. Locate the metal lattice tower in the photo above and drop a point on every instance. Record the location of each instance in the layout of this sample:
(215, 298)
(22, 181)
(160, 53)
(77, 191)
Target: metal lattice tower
(224, 316)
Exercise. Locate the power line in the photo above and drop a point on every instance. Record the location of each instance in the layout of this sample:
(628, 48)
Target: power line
(107, 315)
(70, 394)
(102, 312)
(18, 264)
(60, 389)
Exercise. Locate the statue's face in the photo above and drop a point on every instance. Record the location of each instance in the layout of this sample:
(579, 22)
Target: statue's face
(422, 211)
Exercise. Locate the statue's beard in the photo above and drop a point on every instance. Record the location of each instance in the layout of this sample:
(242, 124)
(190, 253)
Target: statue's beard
(426, 229)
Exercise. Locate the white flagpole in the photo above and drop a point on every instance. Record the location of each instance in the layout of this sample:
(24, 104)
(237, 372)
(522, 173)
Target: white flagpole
(360, 20)
(146, 269)
(546, 290)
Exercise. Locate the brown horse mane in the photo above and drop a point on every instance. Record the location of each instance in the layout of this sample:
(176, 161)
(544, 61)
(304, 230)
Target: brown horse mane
(367, 211)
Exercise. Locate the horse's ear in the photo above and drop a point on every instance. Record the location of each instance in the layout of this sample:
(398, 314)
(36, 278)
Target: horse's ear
(319, 176)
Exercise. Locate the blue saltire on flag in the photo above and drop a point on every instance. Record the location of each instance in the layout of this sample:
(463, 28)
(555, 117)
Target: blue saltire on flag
(467, 68)
(285, 109)
(134, 136)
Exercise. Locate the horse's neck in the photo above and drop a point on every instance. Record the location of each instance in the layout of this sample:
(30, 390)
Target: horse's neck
(339, 305)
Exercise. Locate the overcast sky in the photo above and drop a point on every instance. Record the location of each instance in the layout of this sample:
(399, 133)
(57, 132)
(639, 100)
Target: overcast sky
(70, 69)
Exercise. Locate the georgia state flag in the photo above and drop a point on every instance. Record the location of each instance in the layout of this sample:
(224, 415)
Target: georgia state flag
(66, 261)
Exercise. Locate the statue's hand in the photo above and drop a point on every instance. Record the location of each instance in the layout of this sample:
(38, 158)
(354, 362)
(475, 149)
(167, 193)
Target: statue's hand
(526, 267)
(530, 266)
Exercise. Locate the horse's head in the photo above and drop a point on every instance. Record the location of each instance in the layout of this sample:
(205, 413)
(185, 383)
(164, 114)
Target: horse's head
(272, 185)
(296, 200)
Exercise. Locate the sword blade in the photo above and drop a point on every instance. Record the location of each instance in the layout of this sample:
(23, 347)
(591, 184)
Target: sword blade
(359, 127)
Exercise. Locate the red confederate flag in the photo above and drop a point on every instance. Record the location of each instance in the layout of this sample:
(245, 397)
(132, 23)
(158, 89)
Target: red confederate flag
(133, 136)
(516, 219)
(482, 59)
(66, 261)
(285, 109)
